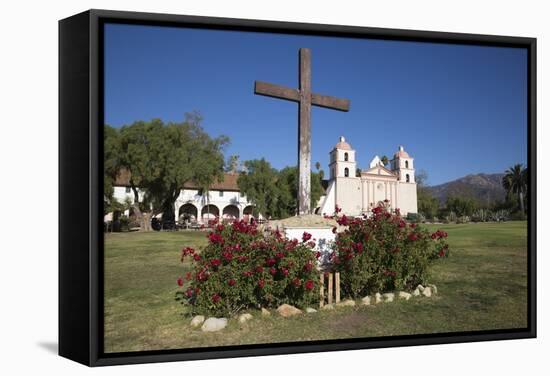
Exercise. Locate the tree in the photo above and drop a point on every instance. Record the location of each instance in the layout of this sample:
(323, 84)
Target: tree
(461, 206)
(232, 164)
(384, 160)
(275, 193)
(428, 205)
(317, 166)
(288, 191)
(259, 185)
(111, 146)
(515, 182)
(161, 158)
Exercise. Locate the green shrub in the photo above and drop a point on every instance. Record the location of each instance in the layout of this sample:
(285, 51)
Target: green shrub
(384, 253)
(242, 268)
(463, 219)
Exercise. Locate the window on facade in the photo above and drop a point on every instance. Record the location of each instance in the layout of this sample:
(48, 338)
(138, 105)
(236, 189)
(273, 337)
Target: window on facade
(221, 193)
(408, 178)
(406, 164)
(346, 172)
(346, 157)
(128, 189)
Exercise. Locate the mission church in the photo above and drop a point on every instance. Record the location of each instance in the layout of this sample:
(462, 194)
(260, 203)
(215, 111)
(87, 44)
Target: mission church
(357, 195)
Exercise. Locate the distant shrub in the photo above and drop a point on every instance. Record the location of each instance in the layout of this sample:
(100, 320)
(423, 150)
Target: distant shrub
(242, 268)
(383, 253)
(462, 219)
(517, 216)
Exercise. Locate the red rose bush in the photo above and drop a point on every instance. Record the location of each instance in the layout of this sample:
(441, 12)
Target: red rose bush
(242, 267)
(382, 252)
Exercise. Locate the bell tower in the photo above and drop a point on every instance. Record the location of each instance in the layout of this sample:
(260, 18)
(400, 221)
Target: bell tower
(402, 162)
(342, 160)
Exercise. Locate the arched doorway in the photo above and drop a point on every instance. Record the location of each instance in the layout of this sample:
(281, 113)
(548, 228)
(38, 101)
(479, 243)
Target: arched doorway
(209, 212)
(188, 212)
(231, 212)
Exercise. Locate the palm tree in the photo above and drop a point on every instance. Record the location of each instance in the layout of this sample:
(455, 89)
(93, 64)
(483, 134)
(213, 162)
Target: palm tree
(515, 181)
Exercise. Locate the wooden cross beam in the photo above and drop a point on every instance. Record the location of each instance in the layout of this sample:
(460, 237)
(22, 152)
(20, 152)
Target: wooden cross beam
(305, 99)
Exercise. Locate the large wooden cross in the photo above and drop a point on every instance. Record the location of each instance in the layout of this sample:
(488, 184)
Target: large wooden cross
(305, 99)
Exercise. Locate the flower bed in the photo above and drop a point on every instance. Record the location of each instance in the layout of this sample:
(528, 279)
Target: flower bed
(242, 268)
(384, 253)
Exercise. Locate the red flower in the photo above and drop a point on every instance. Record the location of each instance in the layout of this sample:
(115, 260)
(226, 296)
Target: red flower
(334, 229)
(188, 276)
(180, 282)
(273, 271)
(216, 298)
(280, 255)
(228, 256)
(231, 282)
(215, 238)
(413, 237)
(309, 284)
(441, 252)
(261, 283)
(284, 271)
(196, 257)
(247, 274)
(343, 221)
(318, 254)
(215, 262)
(308, 267)
(259, 269)
(189, 292)
(306, 236)
(270, 261)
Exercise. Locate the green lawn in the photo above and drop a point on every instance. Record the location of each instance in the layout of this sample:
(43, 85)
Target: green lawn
(483, 285)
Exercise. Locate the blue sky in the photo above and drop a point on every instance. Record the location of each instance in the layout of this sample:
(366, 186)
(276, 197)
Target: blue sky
(456, 109)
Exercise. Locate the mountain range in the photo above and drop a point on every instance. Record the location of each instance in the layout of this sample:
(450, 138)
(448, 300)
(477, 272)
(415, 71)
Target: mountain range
(486, 188)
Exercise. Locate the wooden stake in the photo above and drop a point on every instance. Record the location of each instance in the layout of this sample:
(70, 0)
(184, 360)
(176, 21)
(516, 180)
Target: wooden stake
(322, 291)
(337, 286)
(330, 292)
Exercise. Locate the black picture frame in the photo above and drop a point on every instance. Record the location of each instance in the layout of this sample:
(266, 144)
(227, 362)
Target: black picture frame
(80, 161)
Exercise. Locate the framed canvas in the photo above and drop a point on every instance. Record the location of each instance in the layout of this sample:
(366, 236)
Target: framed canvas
(234, 187)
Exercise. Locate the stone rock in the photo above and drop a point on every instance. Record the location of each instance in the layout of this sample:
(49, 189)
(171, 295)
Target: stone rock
(265, 312)
(416, 292)
(213, 324)
(197, 321)
(427, 292)
(365, 300)
(310, 310)
(286, 310)
(388, 297)
(404, 295)
(420, 287)
(434, 288)
(245, 317)
(346, 303)
(377, 298)
(327, 307)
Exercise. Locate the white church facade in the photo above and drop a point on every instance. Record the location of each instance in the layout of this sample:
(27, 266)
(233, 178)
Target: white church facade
(357, 195)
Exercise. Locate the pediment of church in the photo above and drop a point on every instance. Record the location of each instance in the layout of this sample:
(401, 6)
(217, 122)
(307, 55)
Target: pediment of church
(379, 170)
